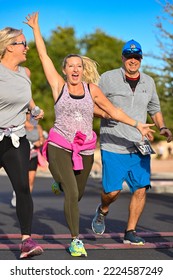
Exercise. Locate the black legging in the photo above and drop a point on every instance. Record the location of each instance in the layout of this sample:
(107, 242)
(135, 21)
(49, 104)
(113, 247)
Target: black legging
(73, 182)
(15, 162)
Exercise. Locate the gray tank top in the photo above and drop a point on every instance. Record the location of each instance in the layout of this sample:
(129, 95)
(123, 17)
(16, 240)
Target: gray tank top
(15, 95)
(74, 114)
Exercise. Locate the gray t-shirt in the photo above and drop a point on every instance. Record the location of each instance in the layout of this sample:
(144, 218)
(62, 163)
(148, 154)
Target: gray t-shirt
(15, 95)
(116, 136)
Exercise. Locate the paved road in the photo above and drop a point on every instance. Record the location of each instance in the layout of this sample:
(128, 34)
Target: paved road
(49, 226)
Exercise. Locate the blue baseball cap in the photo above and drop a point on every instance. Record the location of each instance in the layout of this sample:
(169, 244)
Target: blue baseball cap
(132, 49)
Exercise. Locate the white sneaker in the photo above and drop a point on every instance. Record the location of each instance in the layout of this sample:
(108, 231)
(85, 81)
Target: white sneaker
(13, 200)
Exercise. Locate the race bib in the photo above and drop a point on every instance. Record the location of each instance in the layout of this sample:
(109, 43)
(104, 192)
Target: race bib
(144, 147)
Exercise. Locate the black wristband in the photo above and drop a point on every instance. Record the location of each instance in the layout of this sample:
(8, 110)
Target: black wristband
(164, 127)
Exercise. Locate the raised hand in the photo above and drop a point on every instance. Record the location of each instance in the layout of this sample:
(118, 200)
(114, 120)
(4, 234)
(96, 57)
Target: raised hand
(32, 19)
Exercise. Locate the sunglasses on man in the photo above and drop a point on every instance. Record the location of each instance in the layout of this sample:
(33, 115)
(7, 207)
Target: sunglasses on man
(132, 53)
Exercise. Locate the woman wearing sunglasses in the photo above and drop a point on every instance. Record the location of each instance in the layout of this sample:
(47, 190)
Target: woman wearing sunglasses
(15, 101)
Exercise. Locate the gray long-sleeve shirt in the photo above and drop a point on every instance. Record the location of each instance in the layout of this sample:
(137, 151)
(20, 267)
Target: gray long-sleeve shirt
(116, 136)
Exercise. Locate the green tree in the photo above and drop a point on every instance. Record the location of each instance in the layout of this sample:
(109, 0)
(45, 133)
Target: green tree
(104, 49)
(164, 79)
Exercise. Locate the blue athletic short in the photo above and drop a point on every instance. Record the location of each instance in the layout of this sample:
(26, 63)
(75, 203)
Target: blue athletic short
(134, 169)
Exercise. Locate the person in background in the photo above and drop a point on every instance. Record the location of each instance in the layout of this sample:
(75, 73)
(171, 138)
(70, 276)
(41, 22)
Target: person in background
(124, 156)
(16, 99)
(71, 142)
(34, 134)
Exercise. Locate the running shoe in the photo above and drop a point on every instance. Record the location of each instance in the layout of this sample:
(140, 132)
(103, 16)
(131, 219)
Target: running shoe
(13, 200)
(130, 237)
(98, 223)
(56, 188)
(30, 248)
(77, 248)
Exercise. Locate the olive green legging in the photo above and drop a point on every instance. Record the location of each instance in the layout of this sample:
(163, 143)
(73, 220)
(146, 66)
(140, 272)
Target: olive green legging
(73, 182)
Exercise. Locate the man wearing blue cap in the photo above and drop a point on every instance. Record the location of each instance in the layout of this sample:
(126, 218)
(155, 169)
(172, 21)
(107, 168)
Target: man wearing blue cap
(125, 156)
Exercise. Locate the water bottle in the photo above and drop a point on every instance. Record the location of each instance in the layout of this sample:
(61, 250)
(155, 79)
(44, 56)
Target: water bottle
(34, 113)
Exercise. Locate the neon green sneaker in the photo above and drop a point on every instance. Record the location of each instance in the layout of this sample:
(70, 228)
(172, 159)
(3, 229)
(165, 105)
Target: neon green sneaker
(56, 188)
(77, 248)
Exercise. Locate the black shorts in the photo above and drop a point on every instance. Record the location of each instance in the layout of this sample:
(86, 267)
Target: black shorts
(33, 164)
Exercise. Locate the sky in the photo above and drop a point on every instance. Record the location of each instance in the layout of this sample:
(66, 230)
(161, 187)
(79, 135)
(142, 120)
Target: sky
(122, 19)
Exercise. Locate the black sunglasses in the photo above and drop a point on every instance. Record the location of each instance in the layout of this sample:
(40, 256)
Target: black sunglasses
(20, 43)
(133, 56)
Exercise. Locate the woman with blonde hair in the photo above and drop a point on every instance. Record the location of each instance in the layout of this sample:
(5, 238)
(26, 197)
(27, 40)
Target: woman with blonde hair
(16, 99)
(72, 141)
